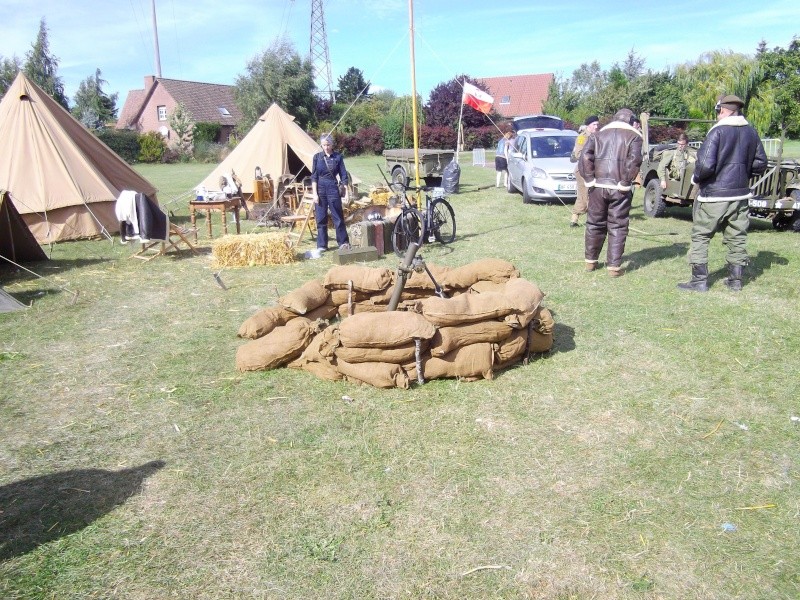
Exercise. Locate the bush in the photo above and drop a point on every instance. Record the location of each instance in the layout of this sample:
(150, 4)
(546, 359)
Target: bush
(437, 137)
(480, 137)
(151, 147)
(209, 152)
(124, 142)
(371, 139)
(205, 131)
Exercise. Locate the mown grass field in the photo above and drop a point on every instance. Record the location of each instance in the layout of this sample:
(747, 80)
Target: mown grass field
(652, 454)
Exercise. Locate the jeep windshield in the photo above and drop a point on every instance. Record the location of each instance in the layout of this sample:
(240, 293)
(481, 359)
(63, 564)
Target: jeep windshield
(537, 122)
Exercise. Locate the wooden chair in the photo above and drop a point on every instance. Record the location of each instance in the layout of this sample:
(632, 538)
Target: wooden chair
(154, 249)
(300, 221)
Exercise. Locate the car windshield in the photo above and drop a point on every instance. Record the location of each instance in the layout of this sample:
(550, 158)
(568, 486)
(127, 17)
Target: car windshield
(552, 146)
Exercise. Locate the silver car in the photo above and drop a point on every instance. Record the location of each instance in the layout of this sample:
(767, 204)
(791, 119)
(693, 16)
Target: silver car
(539, 165)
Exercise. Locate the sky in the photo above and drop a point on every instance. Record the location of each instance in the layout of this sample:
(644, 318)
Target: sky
(212, 41)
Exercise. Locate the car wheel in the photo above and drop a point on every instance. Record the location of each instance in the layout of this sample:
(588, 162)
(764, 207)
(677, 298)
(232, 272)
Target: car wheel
(526, 197)
(654, 203)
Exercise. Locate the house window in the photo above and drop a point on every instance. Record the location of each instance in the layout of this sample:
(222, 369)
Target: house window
(224, 111)
(162, 113)
(505, 100)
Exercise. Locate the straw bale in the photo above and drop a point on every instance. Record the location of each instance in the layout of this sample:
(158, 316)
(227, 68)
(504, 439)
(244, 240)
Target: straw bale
(248, 250)
(365, 279)
(279, 347)
(379, 195)
(384, 329)
(265, 321)
(307, 297)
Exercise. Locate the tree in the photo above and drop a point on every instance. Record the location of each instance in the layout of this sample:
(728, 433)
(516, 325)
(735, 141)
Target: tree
(444, 105)
(9, 67)
(42, 68)
(781, 83)
(277, 75)
(351, 84)
(182, 123)
(93, 107)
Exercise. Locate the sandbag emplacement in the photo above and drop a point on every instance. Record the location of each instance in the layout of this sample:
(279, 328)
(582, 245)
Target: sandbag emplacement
(384, 329)
(249, 250)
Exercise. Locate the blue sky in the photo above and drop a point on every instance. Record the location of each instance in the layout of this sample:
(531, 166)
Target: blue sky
(208, 40)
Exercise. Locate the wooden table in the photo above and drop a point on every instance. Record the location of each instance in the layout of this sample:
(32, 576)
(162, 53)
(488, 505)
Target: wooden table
(223, 206)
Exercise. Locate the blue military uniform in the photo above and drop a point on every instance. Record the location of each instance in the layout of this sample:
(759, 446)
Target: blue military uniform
(325, 169)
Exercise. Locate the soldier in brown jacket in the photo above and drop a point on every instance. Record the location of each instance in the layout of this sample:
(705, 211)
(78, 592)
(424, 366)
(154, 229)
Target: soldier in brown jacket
(609, 164)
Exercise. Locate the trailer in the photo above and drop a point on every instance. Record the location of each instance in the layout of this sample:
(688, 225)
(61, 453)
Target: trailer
(400, 165)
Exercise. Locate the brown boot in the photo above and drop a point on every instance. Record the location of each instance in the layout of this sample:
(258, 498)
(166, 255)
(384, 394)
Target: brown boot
(590, 266)
(616, 271)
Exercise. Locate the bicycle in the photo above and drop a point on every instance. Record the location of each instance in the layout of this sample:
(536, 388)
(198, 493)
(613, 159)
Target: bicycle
(436, 223)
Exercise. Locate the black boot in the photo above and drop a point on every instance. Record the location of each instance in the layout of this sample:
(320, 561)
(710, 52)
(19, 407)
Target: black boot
(734, 279)
(699, 281)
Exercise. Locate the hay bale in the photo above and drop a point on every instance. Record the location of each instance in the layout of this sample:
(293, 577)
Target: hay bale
(249, 250)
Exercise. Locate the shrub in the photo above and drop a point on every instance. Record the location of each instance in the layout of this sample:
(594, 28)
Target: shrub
(480, 137)
(124, 142)
(209, 152)
(205, 131)
(437, 137)
(371, 139)
(151, 147)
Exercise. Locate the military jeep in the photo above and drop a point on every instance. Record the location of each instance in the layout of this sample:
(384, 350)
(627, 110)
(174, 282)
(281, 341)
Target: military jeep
(776, 193)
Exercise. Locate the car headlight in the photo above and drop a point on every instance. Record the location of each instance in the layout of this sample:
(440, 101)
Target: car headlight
(538, 173)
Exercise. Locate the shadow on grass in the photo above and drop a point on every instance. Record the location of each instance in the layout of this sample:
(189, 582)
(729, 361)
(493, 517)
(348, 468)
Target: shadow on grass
(42, 509)
(640, 258)
(761, 262)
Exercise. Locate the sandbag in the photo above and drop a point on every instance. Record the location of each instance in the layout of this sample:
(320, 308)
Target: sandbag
(526, 297)
(305, 298)
(326, 312)
(365, 279)
(399, 355)
(448, 339)
(542, 332)
(419, 280)
(361, 307)
(466, 308)
(317, 358)
(511, 350)
(378, 374)
(475, 360)
(342, 296)
(496, 270)
(279, 347)
(384, 329)
(265, 321)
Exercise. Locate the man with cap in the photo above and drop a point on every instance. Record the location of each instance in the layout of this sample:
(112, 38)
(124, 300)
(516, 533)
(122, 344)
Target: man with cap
(729, 156)
(582, 199)
(609, 164)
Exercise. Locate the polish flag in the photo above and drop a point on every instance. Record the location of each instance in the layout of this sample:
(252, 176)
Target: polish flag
(477, 99)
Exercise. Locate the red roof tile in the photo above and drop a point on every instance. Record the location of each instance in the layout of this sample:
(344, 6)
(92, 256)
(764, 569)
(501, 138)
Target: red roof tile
(517, 95)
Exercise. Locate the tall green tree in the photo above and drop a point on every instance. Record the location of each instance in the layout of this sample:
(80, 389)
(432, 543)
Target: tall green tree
(277, 75)
(351, 85)
(41, 67)
(9, 67)
(181, 122)
(781, 83)
(93, 107)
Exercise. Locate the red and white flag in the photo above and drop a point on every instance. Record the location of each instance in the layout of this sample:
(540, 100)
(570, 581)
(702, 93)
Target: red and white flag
(477, 99)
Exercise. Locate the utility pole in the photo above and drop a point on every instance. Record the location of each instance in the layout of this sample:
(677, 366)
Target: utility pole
(155, 42)
(318, 49)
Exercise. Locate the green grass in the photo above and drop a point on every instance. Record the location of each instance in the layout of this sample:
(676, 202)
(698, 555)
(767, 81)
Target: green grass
(605, 469)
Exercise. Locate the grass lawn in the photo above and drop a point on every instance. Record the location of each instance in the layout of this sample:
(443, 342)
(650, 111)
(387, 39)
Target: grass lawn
(654, 453)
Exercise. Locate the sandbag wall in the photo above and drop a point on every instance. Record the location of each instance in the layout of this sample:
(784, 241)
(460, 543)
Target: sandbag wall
(339, 328)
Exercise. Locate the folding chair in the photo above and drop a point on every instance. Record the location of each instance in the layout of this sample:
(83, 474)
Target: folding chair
(153, 249)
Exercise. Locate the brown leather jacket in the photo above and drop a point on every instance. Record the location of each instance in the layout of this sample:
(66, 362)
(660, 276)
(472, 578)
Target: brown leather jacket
(612, 157)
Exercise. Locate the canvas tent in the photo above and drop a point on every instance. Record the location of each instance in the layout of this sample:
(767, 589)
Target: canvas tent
(63, 180)
(17, 245)
(276, 144)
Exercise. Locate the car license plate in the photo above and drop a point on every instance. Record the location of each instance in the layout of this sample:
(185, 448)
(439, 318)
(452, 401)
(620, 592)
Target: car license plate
(566, 187)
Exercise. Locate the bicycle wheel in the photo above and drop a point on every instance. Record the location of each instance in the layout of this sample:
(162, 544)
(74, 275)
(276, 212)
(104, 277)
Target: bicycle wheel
(444, 221)
(407, 229)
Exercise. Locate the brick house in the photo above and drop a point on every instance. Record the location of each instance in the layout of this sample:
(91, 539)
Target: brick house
(518, 95)
(149, 109)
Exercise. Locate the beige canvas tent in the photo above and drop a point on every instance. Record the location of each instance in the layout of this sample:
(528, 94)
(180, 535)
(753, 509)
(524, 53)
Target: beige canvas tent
(275, 144)
(63, 180)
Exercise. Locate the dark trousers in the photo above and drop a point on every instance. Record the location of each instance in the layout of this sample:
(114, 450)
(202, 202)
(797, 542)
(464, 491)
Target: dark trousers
(608, 215)
(329, 200)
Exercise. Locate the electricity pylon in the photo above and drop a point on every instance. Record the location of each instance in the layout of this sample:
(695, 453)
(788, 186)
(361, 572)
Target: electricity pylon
(320, 57)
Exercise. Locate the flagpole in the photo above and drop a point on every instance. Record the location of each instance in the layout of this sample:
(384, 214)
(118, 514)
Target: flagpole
(413, 92)
(460, 116)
